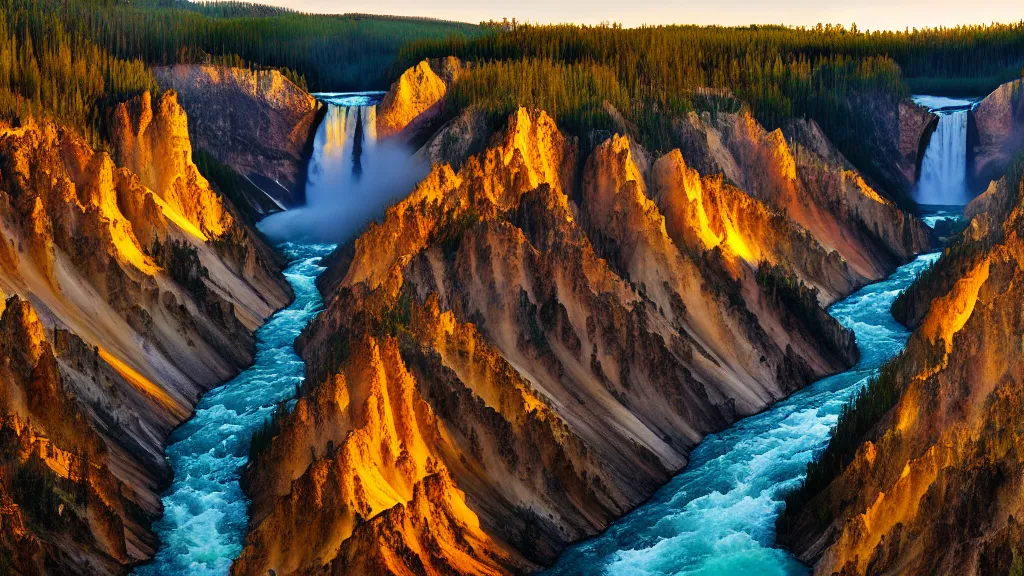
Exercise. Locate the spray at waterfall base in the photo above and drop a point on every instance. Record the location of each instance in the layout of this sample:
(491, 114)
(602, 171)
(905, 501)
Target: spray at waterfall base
(352, 175)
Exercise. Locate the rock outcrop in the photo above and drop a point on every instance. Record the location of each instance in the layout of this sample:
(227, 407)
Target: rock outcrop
(934, 486)
(256, 121)
(531, 342)
(799, 173)
(916, 126)
(416, 98)
(995, 134)
(129, 292)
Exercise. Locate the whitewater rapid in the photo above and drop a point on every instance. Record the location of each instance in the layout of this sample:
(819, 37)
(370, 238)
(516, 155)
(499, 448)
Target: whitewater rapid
(717, 517)
(205, 510)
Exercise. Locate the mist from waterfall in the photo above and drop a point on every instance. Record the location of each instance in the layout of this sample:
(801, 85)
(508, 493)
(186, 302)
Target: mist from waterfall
(352, 176)
(943, 176)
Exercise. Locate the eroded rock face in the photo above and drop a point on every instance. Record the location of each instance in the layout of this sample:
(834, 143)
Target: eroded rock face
(152, 140)
(995, 134)
(125, 303)
(916, 126)
(501, 371)
(935, 487)
(415, 99)
(704, 213)
(798, 172)
(258, 122)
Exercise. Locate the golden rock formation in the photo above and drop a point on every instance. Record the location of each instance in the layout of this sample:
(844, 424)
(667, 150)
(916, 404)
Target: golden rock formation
(125, 302)
(258, 122)
(416, 97)
(152, 140)
(798, 172)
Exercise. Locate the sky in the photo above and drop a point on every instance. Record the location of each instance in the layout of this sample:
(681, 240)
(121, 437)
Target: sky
(868, 14)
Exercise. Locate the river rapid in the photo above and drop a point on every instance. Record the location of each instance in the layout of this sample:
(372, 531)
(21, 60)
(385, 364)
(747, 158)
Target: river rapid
(205, 510)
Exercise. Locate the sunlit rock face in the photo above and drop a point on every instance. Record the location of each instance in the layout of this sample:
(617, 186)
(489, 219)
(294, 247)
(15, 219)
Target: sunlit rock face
(127, 295)
(995, 134)
(152, 140)
(531, 342)
(798, 172)
(935, 487)
(258, 122)
(704, 213)
(415, 99)
(520, 352)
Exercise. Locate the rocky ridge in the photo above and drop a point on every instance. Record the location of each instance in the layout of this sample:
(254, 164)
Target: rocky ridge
(416, 98)
(933, 487)
(130, 289)
(995, 134)
(257, 122)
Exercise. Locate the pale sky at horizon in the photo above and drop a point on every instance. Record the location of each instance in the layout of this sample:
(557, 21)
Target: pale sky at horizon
(868, 14)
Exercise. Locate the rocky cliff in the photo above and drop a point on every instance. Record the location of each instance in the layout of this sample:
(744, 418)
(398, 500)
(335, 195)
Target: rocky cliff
(800, 174)
(915, 129)
(415, 99)
(995, 134)
(934, 485)
(255, 121)
(130, 289)
(531, 342)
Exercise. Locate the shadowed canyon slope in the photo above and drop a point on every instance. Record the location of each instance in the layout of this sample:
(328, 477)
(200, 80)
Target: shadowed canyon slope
(130, 288)
(529, 344)
(995, 134)
(933, 485)
(255, 121)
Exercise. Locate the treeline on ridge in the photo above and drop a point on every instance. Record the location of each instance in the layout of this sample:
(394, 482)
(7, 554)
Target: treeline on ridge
(833, 75)
(48, 68)
(326, 52)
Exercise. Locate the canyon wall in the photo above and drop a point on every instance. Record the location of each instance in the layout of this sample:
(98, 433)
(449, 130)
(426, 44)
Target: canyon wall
(798, 172)
(256, 121)
(916, 126)
(130, 288)
(416, 98)
(530, 343)
(933, 486)
(995, 134)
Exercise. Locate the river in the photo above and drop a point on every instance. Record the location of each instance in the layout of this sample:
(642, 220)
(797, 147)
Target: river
(205, 510)
(717, 517)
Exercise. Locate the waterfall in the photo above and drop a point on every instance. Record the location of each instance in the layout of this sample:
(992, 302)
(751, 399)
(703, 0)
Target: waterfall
(342, 147)
(351, 176)
(943, 175)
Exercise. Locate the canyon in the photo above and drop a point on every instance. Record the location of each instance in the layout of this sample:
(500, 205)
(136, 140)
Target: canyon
(522, 348)
(930, 486)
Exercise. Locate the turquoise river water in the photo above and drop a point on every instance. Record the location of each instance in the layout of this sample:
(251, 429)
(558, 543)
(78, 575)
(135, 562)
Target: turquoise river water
(205, 510)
